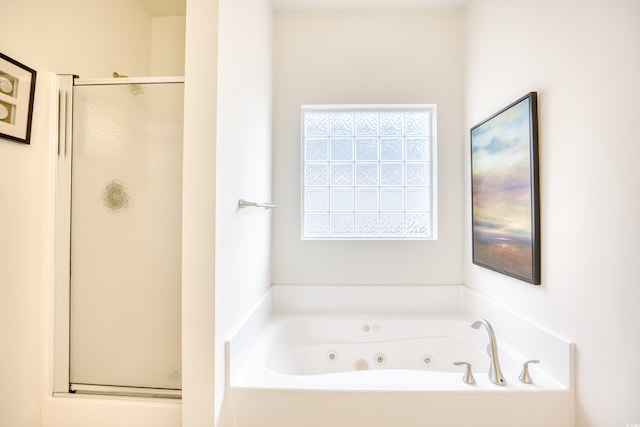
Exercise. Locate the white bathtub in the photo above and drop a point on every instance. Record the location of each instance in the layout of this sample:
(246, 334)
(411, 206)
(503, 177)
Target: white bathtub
(371, 353)
(311, 369)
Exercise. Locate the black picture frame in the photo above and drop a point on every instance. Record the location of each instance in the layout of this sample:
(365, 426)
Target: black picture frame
(505, 195)
(17, 92)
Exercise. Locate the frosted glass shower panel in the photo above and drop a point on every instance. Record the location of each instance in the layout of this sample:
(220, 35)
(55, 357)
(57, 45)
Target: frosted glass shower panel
(126, 235)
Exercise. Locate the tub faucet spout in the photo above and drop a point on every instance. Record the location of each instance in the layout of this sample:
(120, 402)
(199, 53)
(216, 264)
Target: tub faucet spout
(495, 373)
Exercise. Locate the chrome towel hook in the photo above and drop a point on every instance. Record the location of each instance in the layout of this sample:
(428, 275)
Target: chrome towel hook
(245, 204)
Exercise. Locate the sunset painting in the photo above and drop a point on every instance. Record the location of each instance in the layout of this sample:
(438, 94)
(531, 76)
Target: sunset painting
(504, 191)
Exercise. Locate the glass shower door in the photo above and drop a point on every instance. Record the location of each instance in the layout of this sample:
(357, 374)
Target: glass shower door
(126, 213)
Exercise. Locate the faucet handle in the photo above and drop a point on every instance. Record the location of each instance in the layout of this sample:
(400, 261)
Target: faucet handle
(468, 375)
(524, 376)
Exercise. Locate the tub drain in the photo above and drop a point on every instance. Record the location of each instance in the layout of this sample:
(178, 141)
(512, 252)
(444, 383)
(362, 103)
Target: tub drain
(361, 365)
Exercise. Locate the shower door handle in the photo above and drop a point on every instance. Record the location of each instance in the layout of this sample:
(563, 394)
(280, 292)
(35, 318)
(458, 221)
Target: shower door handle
(61, 119)
(63, 125)
(65, 105)
(67, 122)
(64, 121)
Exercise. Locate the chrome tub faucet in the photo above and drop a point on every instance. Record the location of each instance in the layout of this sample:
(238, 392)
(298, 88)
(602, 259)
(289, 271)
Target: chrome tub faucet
(495, 373)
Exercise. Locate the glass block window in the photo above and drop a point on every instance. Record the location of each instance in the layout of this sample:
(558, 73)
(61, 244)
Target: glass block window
(369, 172)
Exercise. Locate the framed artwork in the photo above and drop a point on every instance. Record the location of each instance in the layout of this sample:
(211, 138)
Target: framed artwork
(17, 89)
(505, 191)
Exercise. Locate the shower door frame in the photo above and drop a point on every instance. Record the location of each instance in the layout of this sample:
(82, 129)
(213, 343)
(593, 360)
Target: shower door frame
(62, 107)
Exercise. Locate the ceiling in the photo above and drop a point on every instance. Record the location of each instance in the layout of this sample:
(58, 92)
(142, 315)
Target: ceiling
(363, 4)
(157, 8)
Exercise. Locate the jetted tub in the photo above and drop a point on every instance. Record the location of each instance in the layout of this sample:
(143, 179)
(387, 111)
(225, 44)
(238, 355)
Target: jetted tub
(313, 370)
(371, 353)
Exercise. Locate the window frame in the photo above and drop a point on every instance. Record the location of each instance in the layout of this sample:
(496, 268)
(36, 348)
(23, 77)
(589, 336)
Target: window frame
(374, 108)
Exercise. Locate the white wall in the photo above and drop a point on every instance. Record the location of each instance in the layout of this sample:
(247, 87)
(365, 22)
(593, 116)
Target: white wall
(243, 167)
(378, 58)
(198, 214)
(167, 45)
(582, 57)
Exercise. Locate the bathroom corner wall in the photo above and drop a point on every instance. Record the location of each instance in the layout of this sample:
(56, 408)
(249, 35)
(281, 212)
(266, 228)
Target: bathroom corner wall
(354, 57)
(243, 170)
(167, 45)
(198, 214)
(582, 59)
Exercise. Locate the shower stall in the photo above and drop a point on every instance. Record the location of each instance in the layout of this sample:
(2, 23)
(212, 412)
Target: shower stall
(118, 236)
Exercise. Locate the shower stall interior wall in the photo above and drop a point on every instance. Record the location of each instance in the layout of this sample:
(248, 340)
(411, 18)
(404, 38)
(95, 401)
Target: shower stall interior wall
(120, 187)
